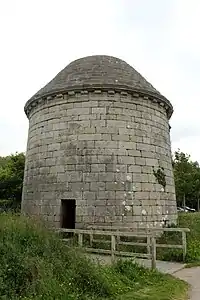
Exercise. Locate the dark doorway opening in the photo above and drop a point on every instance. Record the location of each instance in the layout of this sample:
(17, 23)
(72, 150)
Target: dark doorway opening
(68, 213)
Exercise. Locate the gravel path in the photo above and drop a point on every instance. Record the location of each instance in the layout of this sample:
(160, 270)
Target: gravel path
(192, 276)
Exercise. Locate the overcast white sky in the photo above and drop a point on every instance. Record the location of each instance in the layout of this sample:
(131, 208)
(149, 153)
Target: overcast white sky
(160, 38)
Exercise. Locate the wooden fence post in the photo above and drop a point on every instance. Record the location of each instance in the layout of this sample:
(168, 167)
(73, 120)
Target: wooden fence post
(153, 252)
(184, 243)
(148, 245)
(118, 239)
(80, 239)
(113, 248)
(91, 239)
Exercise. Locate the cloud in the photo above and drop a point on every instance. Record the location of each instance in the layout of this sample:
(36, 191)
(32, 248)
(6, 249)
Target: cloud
(159, 38)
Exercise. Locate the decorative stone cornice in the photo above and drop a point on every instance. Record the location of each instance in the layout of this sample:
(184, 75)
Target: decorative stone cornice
(97, 89)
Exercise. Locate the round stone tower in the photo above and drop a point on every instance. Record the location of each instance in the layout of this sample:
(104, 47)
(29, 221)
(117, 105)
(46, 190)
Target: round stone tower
(99, 149)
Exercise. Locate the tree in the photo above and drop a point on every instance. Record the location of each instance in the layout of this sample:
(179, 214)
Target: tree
(187, 179)
(11, 177)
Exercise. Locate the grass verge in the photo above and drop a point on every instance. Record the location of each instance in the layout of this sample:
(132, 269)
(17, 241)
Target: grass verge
(35, 264)
(151, 285)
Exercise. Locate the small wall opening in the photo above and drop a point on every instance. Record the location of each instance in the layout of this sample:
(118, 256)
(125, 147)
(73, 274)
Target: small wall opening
(68, 213)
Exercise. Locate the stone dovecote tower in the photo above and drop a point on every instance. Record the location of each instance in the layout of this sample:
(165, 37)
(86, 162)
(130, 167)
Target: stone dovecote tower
(99, 148)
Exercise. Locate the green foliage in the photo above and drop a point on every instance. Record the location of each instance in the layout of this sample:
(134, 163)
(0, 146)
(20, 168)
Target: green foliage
(160, 176)
(11, 178)
(191, 221)
(3, 161)
(36, 264)
(185, 220)
(187, 179)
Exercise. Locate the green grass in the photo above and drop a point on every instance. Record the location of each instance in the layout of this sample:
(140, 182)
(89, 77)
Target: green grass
(151, 285)
(35, 264)
(186, 220)
(192, 221)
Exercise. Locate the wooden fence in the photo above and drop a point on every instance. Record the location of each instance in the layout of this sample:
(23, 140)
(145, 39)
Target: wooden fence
(115, 235)
(155, 231)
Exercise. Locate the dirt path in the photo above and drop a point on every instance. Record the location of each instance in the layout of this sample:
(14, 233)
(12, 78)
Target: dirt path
(192, 276)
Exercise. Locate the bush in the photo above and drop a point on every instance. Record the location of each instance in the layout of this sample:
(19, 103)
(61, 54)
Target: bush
(9, 206)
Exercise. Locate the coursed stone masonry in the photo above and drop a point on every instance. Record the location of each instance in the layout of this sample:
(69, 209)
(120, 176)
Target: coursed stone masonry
(99, 146)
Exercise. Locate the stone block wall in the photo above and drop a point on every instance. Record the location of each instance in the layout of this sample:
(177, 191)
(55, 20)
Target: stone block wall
(99, 148)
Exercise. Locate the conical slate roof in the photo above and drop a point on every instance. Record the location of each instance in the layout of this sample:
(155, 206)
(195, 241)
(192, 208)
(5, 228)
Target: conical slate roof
(97, 71)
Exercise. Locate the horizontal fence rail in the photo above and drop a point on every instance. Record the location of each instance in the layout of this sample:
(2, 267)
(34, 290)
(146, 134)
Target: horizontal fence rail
(183, 231)
(115, 233)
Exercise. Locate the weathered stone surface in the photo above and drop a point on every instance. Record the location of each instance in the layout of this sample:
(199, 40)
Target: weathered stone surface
(97, 141)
